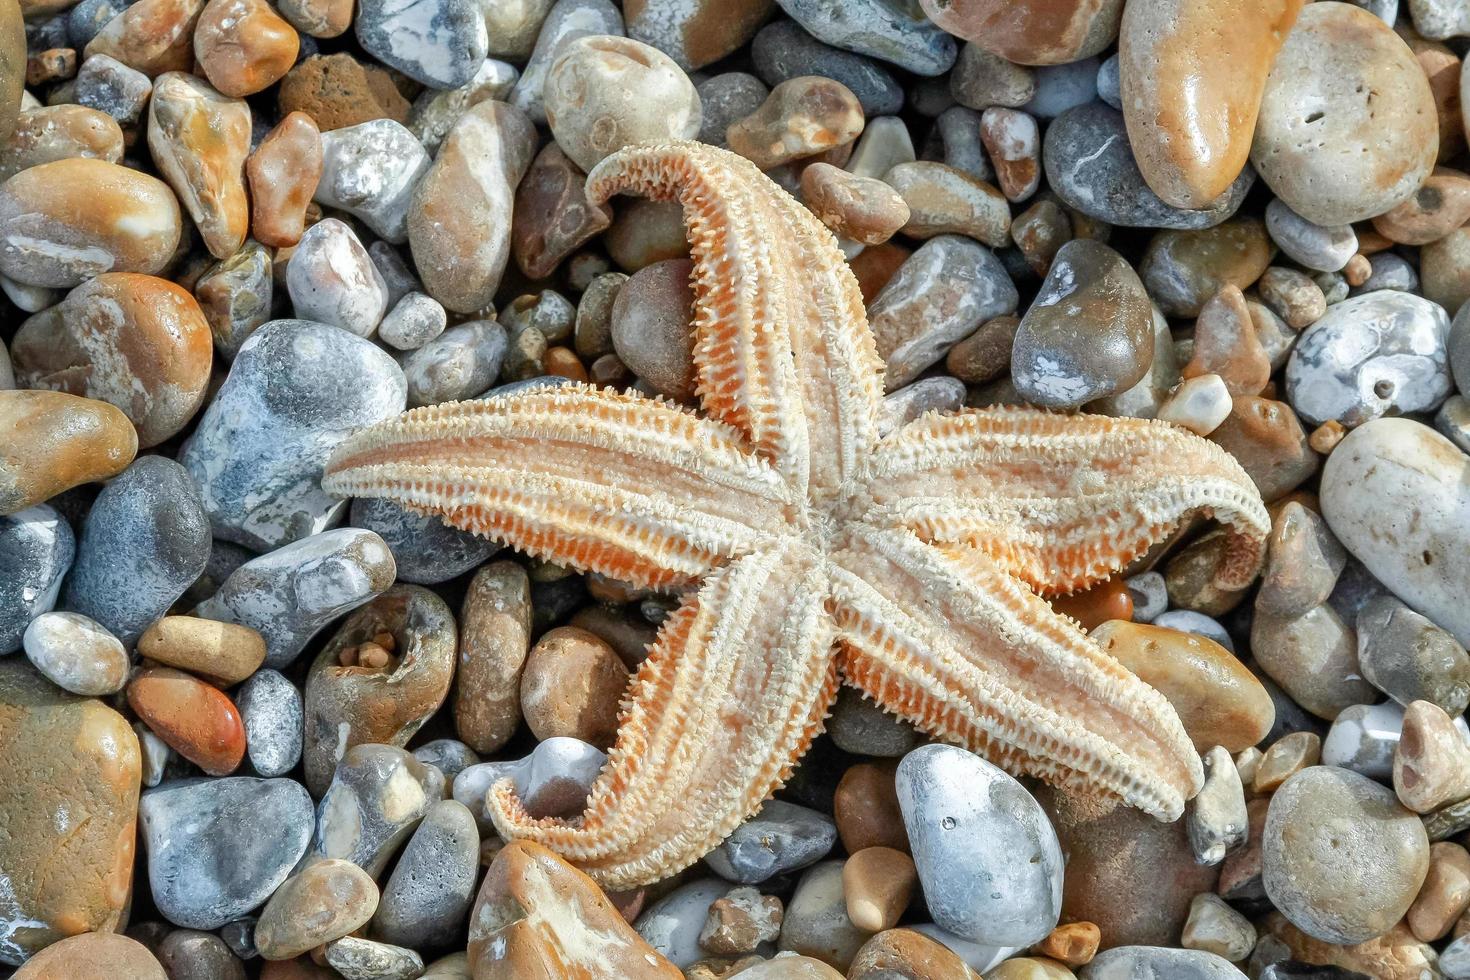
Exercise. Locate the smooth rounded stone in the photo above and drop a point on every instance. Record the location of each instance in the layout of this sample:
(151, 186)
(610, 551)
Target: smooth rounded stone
(441, 43)
(1409, 658)
(235, 297)
(1313, 657)
(429, 893)
(1063, 87)
(863, 209)
(565, 22)
(36, 551)
(942, 200)
(1199, 404)
(909, 954)
(243, 46)
(893, 31)
(187, 954)
(1445, 894)
(460, 363)
(606, 92)
(1184, 269)
(877, 883)
(1217, 820)
(782, 837)
(984, 355)
(548, 312)
(199, 140)
(673, 924)
(69, 220)
(435, 111)
(495, 637)
(1437, 208)
(1342, 858)
(537, 916)
(1453, 421)
(982, 79)
(1439, 19)
(93, 954)
(1030, 32)
(696, 34)
(651, 326)
(1323, 247)
(449, 755)
(1390, 271)
(1382, 158)
(1363, 738)
(1303, 563)
(513, 27)
(87, 18)
(151, 36)
(197, 720)
(1267, 439)
(1444, 267)
(138, 342)
(802, 117)
(370, 171)
(289, 594)
(332, 280)
(426, 551)
(271, 710)
(76, 654)
(326, 900)
(71, 770)
(1090, 166)
(296, 389)
(724, 98)
(958, 131)
(946, 289)
(1431, 763)
(553, 781)
(782, 51)
(1013, 143)
(860, 726)
(1089, 332)
(1216, 927)
(1144, 399)
(1392, 493)
(376, 798)
(1225, 341)
(989, 862)
(816, 922)
(553, 216)
(1286, 757)
(1190, 94)
(459, 223)
(571, 686)
(363, 959)
(222, 652)
(1134, 962)
(50, 133)
(284, 171)
(1376, 354)
(644, 232)
(1219, 701)
(218, 848)
(350, 701)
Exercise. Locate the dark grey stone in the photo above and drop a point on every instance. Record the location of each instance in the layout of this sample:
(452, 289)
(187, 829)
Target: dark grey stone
(187, 954)
(426, 550)
(892, 30)
(782, 50)
(1407, 657)
(36, 549)
(86, 20)
(782, 837)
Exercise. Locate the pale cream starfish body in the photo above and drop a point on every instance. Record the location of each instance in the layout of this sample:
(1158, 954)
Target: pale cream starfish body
(911, 564)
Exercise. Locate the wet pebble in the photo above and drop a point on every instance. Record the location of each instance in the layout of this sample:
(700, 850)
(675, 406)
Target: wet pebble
(892, 32)
(1363, 738)
(782, 837)
(1409, 658)
(36, 551)
(77, 654)
(272, 713)
(377, 796)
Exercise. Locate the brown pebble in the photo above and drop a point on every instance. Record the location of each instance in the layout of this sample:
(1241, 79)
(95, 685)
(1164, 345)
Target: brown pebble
(903, 954)
(1395, 955)
(877, 264)
(1073, 943)
(877, 883)
(1431, 763)
(863, 209)
(197, 721)
(552, 216)
(1029, 968)
(1438, 207)
(562, 362)
(986, 354)
(740, 921)
(55, 441)
(1108, 599)
(1225, 343)
(1267, 439)
(337, 90)
(51, 65)
(1286, 757)
(1445, 894)
(94, 955)
(199, 140)
(1326, 436)
(60, 132)
(283, 173)
(652, 329)
(1040, 232)
(943, 200)
(244, 46)
(1358, 269)
(224, 652)
(495, 637)
(865, 807)
(644, 232)
(326, 900)
(802, 117)
(1013, 142)
(571, 687)
(1293, 296)
(151, 36)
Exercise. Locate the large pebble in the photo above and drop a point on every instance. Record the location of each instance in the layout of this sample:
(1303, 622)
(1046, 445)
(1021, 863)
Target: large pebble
(1409, 658)
(428, 896)
(326, 900)
(987, 857)
(1313, 657)
(942, 200)
(287, 595)
(199, 140)
(572, 685)
(271, 710)
(696, 34)
(1342, 858)
(284, 172)
(76, 654)
(1381, 353)
(145, 540)
(1342, 143)
(802, 117)
(295, 390)
(370, 171)
(223, 652)
(244, 46)
(36, 550)
(1184, 269)
(441, 43)
(50, 133)
(93, 954)
(495, 637)
(151, 36)
(1031, 32)
(1394, 492)
(376, 798)
(897, 32)
(816, 922)
(651, 329)
(1137, 962)
(782, 837)
(332, 280)
(218, 848)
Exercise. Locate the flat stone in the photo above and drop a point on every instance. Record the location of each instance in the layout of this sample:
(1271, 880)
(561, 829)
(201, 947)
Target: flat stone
(782, 837)
(1128, 962)
(1323, 247)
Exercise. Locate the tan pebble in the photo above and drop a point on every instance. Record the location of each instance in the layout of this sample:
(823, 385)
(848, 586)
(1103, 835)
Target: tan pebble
(1293, 296)
(1013, 142)
(1247, 761)
(1325, 437)
(877, 883)
(1438, 207)
(224, 652)
(1431, 763)
(1442, 67)
(1396, 955)
(1183, 269)
(199, 140)
(1286, 757)
(910, 955)
(1219, 701)
(151, 36)
(740, 921)
(571, 686)
(986, 354)
(1357, 270)
(1072, 943)
(1444, 895)
(93, 954)
(244, 46)
(319, 18)
(943, 200)
(197, 721)
(337, 90)
(562, 362)
(982, 78)
(1444, 269)
(69, 220)
(527, 885)
(1215, 927)
(55, 441)
(1225, 343)
(52, 65)
(865, 807)
(863, 209)
(138, 342)
(13, 65)
(283, 173)
(1095, 605)
(495, 637)
(644, 232)
(328, 899)
(1031, 32)
(802, 117)
(60, 132)
(1266, 437)
(1030, 968)
(788, 968)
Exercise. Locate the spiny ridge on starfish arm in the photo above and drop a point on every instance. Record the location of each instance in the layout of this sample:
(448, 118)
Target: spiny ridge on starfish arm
(912, 564)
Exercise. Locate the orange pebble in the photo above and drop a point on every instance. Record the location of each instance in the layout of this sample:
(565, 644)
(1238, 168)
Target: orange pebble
(197, 721)
(1108, 599)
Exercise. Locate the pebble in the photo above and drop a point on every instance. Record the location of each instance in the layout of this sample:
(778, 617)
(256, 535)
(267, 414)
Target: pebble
(353, 700)
(426, 551)
(1390, 492)
(1396, 955)
(1313, 657)
(1027, 968)
(1444, 267)
(332, 280)
(673, 924)
(877, 883)
(1431, 762)
(460, 363)
(1303, 563)
(697, 34)
(644, 232)
(151, 36)
(571, 686)
(1409, 658)
(566, 21)
(428, 896)
(1390, 271)
(76, 654)
(553, 781)
(459, 218)
(441, 43)
(218, 848)
(50, 133)
(326, 900)
(197, 720)
(1199, 404)
(863, 209)
(1219, 701)
(1326, 248)
(1184, 269)
(1128, 962)
(1013, 142)
(111, 87)
(1149, 594)
(858, 724)
(258, 457)
(1445, 894)
(187, 954)
(723, 99)
(1088, 334)
(1031, 32)
(243, 46)
(909, 954)
(781, 838)
(802, 117)
(651, 326)
(199, 140)
(1063, 87)
(1090, 166)
(942, 200)
(894, 32)
(982, 79)
(1293, 296)
(235, 297)
(450, 756)
(1349, 163)
(1286, 757)
(975, 882)
(495, 637)
(223, 652)
(337, 90)
(1266, 438)
(435, 111)
(1214, 926)
(552, 214)
(1363, 738)
(528, 885)
(816, 922)
(377, 796)
(364, 959)
(370, 171)
(985, 354)
(71, 773)
(271, 710)
(940, 294)
(93, 954)
(1437, 208)
(36, 551)
(782, 51)
(289, 594)
(740, 922)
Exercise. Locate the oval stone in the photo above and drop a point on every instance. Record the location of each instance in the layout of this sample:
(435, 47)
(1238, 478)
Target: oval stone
(76, 653)
(56, 441)
(36, 550)
(197, 721)
(1031, 32)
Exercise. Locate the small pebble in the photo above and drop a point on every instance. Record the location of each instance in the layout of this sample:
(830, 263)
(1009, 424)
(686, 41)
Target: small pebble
(1286, 757)
(272, 712)
(1431, 761)
(196, 720)
(1215, 927)
(781, 838)
(429, 893)
(1363, 738)
(326, 900)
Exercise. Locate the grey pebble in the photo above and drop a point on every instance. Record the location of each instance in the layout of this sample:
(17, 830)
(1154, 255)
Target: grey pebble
(782, 50)
(188, 954)
(1149, 962)
(1063, 87)
(440, 43)
(673, 923)
(363, 959)
(1108, 82)
(782, 837)
(1319, 247)
(36, 550)
(460, 363)
(1190, 621)
(1409, 658)
(959, 133)
(891, 30)
(412, 322)
(449, 755)
(107, 85)
(377, 796)
(1216, 818)
(1363, 738)
(567, 20)
(271, 710)
(370, 170)
(427, 898)
(1390, 271)
(1150, 596)
(425, 550)
(858, 724)
(86, 20)
(723, 99)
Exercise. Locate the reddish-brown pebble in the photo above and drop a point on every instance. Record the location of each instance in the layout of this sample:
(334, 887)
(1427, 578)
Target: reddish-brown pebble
(1225, 343)
(328, 899)
(1438, 207)
(1074, 943)
(552, 217)
(244, 46)
(863, 209)
(337, 90)
(151, 36)
(1013, 143)
(874, 266)
(283, 173)
(196, 720)
(571, 686)
(1108, 599)
(909, 955)
(865, 807)
(1031, 32)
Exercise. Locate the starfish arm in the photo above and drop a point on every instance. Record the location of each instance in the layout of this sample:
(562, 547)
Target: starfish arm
(1064, 501)
(731, 695)
(624, 485)
(782, 349)
(945, 638)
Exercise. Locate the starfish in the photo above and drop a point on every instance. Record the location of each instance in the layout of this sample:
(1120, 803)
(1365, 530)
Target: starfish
(816, 546)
